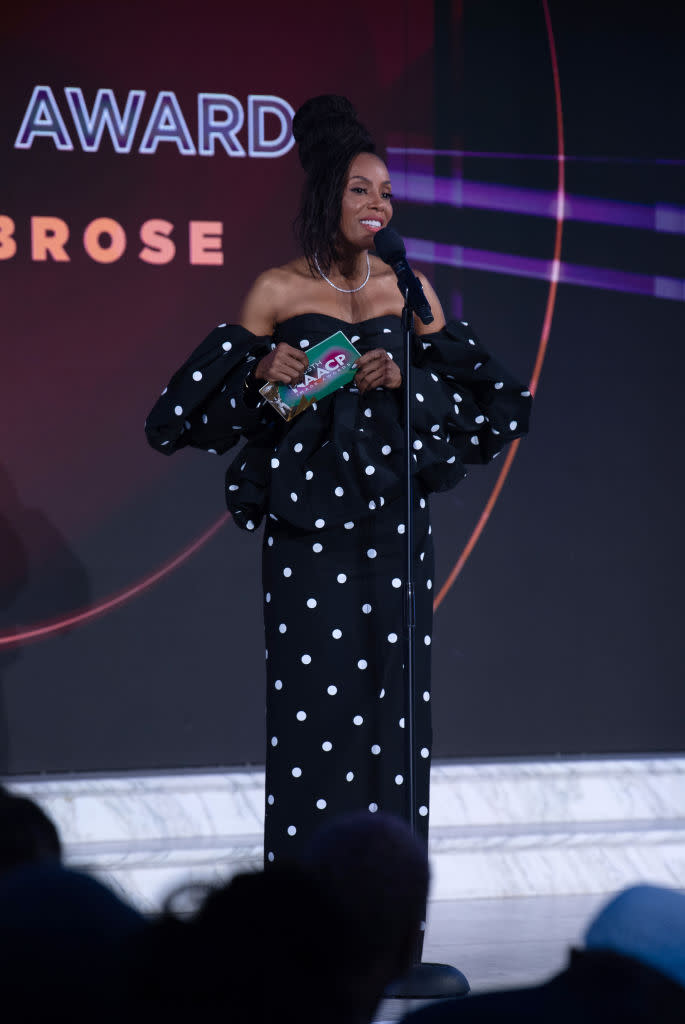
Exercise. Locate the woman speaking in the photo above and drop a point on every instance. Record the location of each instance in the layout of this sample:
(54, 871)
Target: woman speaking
(328, 483)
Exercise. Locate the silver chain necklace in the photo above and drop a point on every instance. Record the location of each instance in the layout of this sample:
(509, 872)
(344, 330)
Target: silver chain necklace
(348, 291)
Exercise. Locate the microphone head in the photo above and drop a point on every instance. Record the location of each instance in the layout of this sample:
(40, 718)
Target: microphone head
(389, 245)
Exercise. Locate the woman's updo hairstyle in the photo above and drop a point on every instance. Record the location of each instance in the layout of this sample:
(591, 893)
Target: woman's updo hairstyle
(329, 135)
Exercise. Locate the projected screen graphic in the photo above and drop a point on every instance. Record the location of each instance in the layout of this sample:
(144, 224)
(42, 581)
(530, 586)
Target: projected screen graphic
(539, 187)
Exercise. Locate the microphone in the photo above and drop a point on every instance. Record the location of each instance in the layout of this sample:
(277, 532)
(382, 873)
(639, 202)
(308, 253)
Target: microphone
(390, 248)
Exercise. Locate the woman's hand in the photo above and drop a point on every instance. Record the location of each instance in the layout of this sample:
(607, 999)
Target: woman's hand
(376, 369)
(284, 364)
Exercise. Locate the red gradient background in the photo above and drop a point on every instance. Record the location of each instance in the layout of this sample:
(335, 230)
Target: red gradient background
(89, 514)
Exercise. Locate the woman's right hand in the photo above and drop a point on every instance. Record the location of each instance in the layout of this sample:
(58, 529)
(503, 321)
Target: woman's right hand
(284, 365)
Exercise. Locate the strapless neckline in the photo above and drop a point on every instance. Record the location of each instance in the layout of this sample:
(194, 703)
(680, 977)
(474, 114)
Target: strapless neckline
(337, 319)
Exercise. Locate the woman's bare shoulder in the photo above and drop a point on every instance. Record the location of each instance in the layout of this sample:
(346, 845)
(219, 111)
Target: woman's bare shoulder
(269, 296)
(276, 280)
(286, 275)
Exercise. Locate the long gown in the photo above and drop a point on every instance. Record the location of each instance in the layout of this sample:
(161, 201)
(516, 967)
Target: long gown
(328, 485)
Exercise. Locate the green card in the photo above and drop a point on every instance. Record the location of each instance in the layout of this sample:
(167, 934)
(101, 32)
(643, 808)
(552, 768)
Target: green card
(332, 364)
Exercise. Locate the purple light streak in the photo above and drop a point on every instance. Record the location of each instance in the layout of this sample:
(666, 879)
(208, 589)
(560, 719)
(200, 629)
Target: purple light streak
(427, 188)
(425, 251)
(483, 155)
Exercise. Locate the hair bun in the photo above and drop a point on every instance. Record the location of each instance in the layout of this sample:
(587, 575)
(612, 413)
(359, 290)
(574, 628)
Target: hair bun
(328, 123)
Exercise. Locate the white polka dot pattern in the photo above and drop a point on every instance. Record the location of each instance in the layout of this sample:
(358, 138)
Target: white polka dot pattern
(333, 552)
(334, 619)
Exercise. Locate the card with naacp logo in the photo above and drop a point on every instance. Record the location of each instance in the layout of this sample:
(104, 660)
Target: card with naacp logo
(332, 364)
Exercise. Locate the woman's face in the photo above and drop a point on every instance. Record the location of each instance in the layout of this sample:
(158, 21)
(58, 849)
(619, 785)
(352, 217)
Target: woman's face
(366, 201)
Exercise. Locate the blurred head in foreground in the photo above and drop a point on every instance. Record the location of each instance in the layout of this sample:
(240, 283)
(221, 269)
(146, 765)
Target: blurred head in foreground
(323, 936)
(27, 835)
(646, 922)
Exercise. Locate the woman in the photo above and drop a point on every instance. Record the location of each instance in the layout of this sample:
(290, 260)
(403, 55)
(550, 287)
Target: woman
(329, 483)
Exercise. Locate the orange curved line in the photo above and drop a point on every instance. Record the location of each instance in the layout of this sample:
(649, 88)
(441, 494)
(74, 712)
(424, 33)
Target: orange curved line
(561, 202)
(7, 640)
(546, 323)
(480, 525)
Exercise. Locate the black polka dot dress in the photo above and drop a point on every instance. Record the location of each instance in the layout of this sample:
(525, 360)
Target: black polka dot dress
(328, 486)
(335, 707)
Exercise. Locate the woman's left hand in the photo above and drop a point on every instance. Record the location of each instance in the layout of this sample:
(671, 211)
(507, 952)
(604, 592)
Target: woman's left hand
(376, 369)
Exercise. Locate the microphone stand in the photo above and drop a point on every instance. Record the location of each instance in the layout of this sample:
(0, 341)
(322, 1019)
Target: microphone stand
(424, 980)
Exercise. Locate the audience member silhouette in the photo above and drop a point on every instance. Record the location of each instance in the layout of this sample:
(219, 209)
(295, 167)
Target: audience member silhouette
(378, 876)
(320, 939)
(646, 922)
(631, 971)
(62, 933)
(315, 940)
(27, 835)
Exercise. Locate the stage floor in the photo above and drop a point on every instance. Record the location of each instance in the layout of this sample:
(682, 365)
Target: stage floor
(499, 943)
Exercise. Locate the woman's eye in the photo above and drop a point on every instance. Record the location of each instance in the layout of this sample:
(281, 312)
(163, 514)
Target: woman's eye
(360, 190)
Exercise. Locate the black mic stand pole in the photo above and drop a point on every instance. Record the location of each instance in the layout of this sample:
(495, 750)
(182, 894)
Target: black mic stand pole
(409, 621)
(424, 980)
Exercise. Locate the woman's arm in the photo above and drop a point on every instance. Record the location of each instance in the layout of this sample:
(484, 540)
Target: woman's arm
(262, 305)
(436, 308)
(260, 314)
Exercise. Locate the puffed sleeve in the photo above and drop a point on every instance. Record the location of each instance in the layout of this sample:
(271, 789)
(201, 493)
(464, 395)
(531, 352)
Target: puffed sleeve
(203, 404)
(467, 406)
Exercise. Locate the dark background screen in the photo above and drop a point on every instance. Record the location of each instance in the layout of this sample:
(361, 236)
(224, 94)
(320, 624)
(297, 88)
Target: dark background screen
(539, 169)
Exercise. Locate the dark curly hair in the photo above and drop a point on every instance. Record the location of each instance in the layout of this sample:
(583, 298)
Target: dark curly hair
(329, 135)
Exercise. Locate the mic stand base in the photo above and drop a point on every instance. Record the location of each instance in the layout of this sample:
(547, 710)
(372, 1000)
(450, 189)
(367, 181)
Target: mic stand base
(429, 981)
